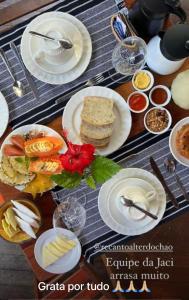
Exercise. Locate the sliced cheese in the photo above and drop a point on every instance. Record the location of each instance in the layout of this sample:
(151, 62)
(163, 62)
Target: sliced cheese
(48, 257)
(52, 248)
(66, 243)
(60, 248)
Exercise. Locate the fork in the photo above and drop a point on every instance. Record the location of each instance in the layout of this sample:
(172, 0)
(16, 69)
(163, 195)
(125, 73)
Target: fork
(91, 82)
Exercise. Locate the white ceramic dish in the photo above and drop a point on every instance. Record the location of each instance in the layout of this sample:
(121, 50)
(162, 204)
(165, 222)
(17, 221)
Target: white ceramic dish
(24, 130)
(151, 81)
(147, 102)
(66, 262)
(4, 114)
(168, 125)
(71, 119)
(57, 61)
(120, 213)
(62, 78)
(117, 222)
(172, 142)
(167, 90)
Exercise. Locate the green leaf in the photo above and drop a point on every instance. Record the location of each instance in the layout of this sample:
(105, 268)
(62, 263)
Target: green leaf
(90, 182)
(103, 168)
(67, 180)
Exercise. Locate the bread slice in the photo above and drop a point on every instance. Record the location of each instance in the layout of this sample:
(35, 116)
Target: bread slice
(98, 111)
(96, 132)
(98, 143)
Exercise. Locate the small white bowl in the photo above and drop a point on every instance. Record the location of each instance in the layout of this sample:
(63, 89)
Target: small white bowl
(151, 80)
(168, 125)
(147, 102)
(168, 95)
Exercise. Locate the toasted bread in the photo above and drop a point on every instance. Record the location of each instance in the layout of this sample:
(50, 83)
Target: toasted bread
(98, 111)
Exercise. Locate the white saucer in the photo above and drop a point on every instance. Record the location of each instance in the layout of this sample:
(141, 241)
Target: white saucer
(121, 213)
(71, 119)
(65, 60)
(4, 114)
(60, 78)
(66, 262)
(111, 214)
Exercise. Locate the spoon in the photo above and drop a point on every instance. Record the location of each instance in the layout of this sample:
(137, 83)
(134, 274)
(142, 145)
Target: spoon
(65, 44)
(130, 203)
(170, 166)
(17, 85)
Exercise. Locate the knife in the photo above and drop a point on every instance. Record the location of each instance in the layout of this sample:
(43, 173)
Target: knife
(163, 182)
(26, 72)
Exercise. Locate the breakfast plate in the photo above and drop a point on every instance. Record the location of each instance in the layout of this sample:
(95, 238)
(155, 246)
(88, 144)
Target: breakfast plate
(20, 236)
(172, 142)
(23, 131)
(4, 114)
(71, 119)
(82, 55)
(62, 60)
(65, 263)
(114, 218)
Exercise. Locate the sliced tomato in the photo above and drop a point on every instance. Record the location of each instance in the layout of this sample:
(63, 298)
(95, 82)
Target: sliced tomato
(46, 166)
(12, 150)
(43, 147)
(18, 141)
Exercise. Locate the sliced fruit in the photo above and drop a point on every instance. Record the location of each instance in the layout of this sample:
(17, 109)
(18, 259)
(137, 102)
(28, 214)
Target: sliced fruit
(39, 185)
(10, 218)
(9, 230)
(43, 147)
(12, 150)
(20, 164)
(7, 168)
(18, 141)
(49, 166)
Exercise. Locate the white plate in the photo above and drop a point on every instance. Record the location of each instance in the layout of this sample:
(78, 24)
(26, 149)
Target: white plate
(71, 119)
(118, 223)
(172, 142)
(4, 114)
(120, 213)
(67, 58)
(24, 130)
(63, 264)
(72, 74)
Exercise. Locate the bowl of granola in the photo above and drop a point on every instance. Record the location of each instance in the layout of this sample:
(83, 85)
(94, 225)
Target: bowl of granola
(157, 120)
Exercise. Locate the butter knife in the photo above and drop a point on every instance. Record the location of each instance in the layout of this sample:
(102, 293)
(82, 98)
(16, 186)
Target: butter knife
(163, 182)
(26, 72)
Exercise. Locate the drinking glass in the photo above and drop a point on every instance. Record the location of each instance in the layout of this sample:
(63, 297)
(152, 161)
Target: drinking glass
(129, 55)
(70, 213)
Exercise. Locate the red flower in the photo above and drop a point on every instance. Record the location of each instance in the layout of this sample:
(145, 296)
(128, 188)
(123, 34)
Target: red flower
(77, 157)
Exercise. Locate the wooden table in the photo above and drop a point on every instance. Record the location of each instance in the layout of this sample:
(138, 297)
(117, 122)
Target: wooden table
(174, 232)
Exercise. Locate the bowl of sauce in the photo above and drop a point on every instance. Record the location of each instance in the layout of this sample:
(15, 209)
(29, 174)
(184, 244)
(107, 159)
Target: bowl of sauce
(143, 80)
(160, 95)
(138, 102)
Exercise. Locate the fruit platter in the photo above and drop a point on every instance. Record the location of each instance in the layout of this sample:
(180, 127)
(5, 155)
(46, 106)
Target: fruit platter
(28, 158)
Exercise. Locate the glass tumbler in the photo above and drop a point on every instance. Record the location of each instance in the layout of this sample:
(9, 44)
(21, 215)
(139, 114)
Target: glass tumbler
(129, 55)
(71, 213)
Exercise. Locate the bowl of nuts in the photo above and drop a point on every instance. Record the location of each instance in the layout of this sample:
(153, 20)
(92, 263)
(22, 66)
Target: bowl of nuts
(157, 120)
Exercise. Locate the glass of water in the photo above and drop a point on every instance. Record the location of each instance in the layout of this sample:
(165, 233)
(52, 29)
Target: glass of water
(71, 213)
(129, 55)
